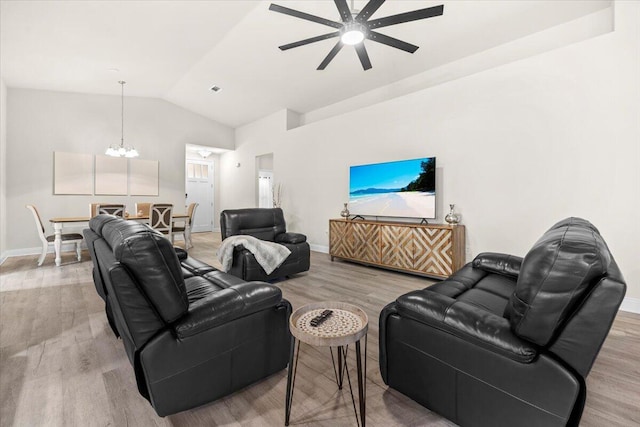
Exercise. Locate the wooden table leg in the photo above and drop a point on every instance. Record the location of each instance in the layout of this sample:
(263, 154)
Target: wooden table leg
(57, 242)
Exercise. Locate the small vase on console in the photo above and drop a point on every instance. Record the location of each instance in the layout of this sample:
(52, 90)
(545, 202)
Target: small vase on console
(452, 217)
(345, 212)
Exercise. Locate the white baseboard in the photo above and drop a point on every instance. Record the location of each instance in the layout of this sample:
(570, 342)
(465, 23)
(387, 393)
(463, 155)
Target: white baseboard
(36, 251)
(632, 305)
(319, 248)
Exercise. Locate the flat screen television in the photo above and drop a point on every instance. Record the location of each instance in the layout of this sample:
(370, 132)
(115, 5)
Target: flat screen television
(405, 188)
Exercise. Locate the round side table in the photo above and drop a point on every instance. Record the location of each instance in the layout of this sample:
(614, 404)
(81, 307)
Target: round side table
(347, 324)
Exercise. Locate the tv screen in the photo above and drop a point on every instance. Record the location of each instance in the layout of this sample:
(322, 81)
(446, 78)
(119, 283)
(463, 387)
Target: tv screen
(405, 188)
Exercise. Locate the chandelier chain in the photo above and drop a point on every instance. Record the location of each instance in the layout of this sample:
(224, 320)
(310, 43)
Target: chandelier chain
(122, 113)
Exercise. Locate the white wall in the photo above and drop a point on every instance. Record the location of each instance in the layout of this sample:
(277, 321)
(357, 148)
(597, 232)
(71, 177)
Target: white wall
(41, 122)
(518, 147)
(3, 168)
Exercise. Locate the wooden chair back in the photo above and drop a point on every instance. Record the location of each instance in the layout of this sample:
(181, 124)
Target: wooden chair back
(110, 209)
(191, 213)
(38, 221)
(161, 217)
(142, 209)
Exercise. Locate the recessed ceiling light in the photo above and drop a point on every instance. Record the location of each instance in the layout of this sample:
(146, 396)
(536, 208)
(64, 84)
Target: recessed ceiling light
(114, 70)
(215, 88)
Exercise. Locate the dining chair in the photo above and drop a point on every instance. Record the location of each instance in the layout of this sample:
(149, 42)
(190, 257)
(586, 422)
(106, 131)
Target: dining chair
(116, 209)
(142, 209)
(185, 230)
(49, 240)
(161, 218)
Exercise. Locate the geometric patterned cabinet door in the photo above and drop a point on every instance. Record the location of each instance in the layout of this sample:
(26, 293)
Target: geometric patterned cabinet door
(366, 242)
(397, 246)
(340, 239)
(431, 250)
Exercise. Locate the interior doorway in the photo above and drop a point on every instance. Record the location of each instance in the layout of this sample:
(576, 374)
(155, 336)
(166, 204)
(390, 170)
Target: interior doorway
(265, 183)
(199, 189)
(265, 189)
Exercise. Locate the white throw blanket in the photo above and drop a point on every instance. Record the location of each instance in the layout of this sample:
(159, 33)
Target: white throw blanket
(269, 255)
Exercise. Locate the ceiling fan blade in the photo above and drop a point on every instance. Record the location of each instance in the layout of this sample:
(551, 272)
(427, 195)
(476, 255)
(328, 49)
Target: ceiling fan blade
(309, 40)
(369, 10)
(393, 42)
(303, 15)
(364, 57)
(343, 8)
(415, 15)
(331, 55)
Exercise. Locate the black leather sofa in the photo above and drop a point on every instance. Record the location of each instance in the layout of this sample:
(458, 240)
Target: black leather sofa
(192, 333)
(264, 224)
(507, 341)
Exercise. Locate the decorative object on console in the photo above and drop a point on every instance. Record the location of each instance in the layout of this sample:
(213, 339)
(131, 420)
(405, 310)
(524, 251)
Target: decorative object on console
(121, 150)
(529, 329)
(356, 27)
(345, 212)
(452, 217)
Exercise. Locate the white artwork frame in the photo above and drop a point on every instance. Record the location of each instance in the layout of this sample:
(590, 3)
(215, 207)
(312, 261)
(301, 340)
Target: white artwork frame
(111, 176)
(72, 173)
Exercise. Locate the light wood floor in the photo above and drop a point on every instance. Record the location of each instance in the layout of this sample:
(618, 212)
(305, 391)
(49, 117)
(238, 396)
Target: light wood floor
(61, 365)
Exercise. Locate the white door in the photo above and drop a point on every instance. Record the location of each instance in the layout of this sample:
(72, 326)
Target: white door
(199, 188)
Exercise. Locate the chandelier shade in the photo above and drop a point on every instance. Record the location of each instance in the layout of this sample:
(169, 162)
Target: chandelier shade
(121, 150)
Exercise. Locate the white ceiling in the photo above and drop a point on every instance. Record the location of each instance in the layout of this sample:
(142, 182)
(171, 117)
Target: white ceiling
(176, 50)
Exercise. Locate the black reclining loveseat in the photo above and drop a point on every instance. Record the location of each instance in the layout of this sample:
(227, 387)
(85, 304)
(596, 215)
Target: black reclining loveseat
(507, 341)
(264, 224)
(192, 333)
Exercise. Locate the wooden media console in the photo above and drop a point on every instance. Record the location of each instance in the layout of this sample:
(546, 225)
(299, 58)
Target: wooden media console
(434, 250)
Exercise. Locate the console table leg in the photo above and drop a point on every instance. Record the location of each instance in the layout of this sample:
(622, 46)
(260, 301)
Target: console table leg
(291, 378)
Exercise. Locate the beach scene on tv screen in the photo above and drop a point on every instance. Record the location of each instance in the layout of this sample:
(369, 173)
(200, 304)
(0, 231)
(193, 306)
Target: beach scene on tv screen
(395, 189)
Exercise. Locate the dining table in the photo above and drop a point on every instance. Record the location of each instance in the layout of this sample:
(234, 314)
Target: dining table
(59, 223)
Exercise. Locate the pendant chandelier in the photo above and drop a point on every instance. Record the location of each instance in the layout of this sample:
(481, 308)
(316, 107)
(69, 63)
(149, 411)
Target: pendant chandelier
(122, 150)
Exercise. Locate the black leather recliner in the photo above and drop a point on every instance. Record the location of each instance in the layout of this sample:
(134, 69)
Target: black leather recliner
(264, 224)
(192, 333)
(507, 341)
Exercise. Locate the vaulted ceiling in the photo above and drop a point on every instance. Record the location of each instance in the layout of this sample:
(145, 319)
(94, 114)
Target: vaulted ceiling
(177, 50)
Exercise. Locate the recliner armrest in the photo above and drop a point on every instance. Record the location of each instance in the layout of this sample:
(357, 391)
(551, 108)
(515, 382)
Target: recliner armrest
(181, 253)
(227, 305)
(291, 238)
(504, 264)
(467, 322)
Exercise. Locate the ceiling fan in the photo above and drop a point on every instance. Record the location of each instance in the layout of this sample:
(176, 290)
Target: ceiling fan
(356, 27)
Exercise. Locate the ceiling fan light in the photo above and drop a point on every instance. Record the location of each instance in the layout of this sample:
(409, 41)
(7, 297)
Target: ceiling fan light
(352, 37)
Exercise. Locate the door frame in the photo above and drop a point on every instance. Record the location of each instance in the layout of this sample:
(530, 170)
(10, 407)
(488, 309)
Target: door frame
(212, 180)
